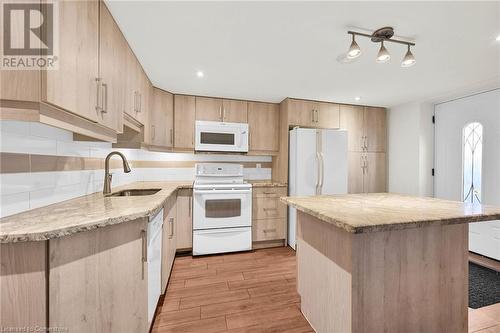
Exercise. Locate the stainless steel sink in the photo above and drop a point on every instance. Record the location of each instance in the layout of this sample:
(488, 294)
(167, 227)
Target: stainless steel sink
(134, 192)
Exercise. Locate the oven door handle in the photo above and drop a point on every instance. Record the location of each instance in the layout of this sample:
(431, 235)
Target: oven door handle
(222, 191)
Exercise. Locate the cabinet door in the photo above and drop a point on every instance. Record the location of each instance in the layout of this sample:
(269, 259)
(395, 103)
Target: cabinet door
(301, 113)
(375, 174)
(144, 91)
(100, 275)
(209, 109)
(73, 86)
(112, 47)
(184, 116)
(263, 122)
(356, 172)
(158, 117)
(328, 115)
(375, 129)
(168, 240)
(184, 219)
(352, 120)
(234, 111)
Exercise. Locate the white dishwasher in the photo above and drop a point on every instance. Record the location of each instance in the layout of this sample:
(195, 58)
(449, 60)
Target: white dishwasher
(154, 263)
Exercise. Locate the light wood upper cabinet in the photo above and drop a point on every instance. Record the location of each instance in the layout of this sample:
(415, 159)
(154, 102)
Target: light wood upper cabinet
(112, 85)
(138, 89)
(328, 115)
(161, 118)
(184, 117)
(375, 173)
(73, 86)
(263, 122)
(208, 109)
(234, 111)
(184, 221)
(352, 120)
(301, 112)
(375, 129)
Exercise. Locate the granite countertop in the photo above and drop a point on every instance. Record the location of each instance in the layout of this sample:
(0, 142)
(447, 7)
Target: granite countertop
(359, 213)
(86, 213)
(266, 183)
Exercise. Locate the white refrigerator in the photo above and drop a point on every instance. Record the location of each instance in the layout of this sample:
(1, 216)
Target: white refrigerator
(317, 165)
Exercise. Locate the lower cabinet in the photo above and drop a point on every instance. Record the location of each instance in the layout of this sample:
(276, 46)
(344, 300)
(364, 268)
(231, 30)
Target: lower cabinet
(367, 172)
(168, 240)
(268, 214)
(184, 219)
(98, 280)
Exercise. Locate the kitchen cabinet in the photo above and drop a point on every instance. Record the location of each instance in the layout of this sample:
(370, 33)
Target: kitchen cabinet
(184, 118)
(328, 115)
(138, 89)
(367, 172)
(352, 120)
(98, 279)
(313, 114)
(366, 127)
(168, 240)
(375, 129)
(268, 214)
(161, 118)
(263, 123)
(111, 85)
(184, 219)
(73, 87)
(223, 110)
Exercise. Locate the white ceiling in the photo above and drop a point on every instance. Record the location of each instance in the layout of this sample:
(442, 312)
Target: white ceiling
(271, 50)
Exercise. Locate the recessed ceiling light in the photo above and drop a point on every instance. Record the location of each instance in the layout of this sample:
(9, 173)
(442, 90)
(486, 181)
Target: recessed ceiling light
(357, 98)
(199, 74)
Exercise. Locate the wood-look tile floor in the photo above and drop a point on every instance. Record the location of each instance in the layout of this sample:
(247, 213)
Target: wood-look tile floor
(250, 292)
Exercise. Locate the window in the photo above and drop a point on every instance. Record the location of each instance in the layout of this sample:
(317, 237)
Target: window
(472, 162)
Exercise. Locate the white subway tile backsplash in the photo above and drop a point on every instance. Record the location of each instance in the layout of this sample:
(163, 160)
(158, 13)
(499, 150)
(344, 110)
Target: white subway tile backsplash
(49, 132)
(80, 149)
(17, 143)
(16, 127)
(14, 203)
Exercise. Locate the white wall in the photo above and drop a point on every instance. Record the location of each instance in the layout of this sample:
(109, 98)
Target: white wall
(28, 190)
(410, 149)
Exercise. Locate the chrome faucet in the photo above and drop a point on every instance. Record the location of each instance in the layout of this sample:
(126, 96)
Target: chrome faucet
(107, 176)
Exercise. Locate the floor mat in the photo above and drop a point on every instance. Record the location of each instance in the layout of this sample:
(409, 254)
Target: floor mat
(484, 286)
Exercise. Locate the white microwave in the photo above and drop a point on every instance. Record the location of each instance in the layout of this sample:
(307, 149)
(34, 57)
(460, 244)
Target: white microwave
(217, 136)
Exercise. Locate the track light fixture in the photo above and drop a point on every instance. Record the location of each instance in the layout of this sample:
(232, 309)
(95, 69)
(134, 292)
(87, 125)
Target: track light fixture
(354, 49)
(380, 36)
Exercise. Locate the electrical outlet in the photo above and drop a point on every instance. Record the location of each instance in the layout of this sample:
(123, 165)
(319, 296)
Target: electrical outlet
(259, 165)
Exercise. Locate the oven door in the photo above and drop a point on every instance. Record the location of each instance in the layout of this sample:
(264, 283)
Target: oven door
(222, 208)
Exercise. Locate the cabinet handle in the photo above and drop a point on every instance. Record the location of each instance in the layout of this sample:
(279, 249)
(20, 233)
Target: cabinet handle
(171, 226)
(268, 192)
(223, 114)
(144, 246)
(269, 230)
(172, 136)
(366, 142)
(105, 94)
(317, 116)
(220, 113)
(140, 102)
(98, 94)
(135, 101)
(153, 132)
(362, 162)
(312, 115)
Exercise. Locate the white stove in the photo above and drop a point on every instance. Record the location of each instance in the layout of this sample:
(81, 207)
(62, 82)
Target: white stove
(222, 209)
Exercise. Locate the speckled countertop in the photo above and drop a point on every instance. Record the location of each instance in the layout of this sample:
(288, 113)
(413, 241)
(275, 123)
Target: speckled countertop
(359, 213)
(85, 213)
(266, 183)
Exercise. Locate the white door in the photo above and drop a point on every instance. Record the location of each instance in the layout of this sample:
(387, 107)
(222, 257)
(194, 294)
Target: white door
(457, 177)
(303, 172)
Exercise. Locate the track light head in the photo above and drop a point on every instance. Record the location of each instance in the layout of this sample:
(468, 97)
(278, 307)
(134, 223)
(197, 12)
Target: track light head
(409, 59)
(354, 50)
(383, 55)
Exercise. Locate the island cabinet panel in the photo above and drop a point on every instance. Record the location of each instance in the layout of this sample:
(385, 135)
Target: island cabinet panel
(184, 221)
(23, 301)
(98, 279)
(168, 240)
(263, 122)
(184, 118)
(268, 214)
(73, 86)
(410, 280)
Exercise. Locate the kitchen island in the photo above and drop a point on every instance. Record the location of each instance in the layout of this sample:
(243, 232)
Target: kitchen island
(384, 262)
